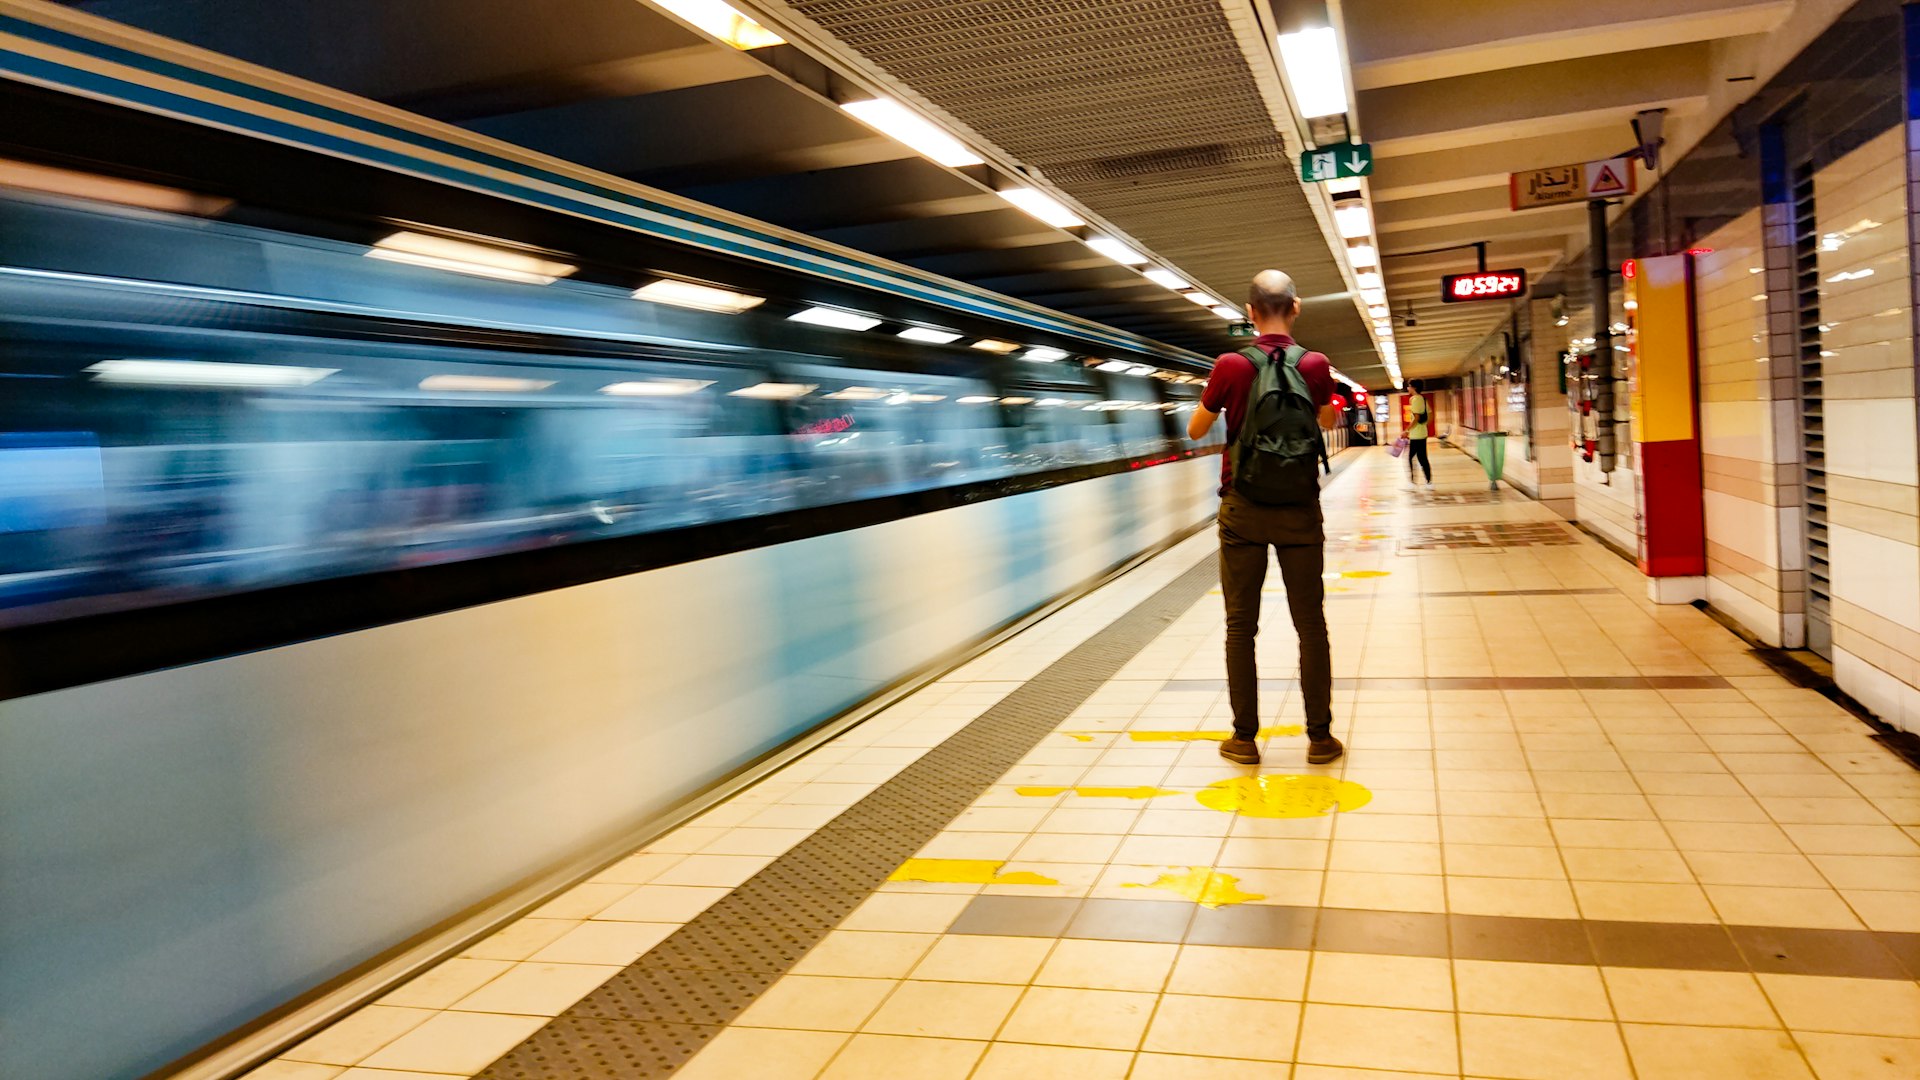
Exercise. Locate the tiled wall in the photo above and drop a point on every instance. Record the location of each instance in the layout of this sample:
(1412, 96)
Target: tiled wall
(1748, 445)
(1873, 478)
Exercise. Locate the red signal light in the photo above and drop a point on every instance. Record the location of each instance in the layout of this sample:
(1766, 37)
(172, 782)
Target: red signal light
(1629, 268)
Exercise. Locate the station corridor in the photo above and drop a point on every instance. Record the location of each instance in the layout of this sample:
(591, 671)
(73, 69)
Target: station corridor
(1575, 835)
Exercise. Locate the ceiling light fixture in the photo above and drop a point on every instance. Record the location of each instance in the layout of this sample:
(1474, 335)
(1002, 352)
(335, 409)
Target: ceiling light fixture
(904, 126)
(1362, 256)
(722, 21)
(686, 294)
(836, 318)
(1043, 354)
(1229, 314)
(994, 345)
(775, 391)
(929, 335)
(1166, 279)
(443, 253)
(205, 373)
(1353, 221)
(484, 384)
(1312, 62)
(656, 387)
(1205, 300)
(1041, 206)
(1370, 280)
(1117, 251)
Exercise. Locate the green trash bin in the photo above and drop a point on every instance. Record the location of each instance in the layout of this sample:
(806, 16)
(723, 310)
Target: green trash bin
(1493, 456)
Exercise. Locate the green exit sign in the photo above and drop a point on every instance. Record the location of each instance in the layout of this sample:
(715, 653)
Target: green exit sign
(1336, 161)
(1240, 329)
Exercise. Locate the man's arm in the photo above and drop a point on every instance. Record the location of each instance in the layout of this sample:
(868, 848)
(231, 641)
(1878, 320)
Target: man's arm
(1200, 422)
(1328, 417)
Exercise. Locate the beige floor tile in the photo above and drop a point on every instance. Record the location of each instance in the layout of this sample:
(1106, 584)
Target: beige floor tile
(582, 901)
(662, 903)
(1626, 864)
(1471, 829)
(455, 1042)
(764, 1054)
(1759, 905)
(1535, 1048)
(1755, 868)
(1274, 853)
(1020, 1061)
(1335, 1072)
(867, 954)
(1892, 912)
(534, 989)
(1699, 998)
(520, 939)
(1871, 871)
(1224, 1027)
(1405, 982)
(983, 958)
(1642, 902)
(604, 943)
(945, 1010)
(1402, 1039)
(445, 983)
(1728, 836)
(1852, 840)
(1860, 1057)
(1565, 991)
(1068, 847)
(352, 1039)
(1518, 897)
(1168, 850)
(1504, 861)
(1184, 1067)
(1106, 1019)
(1846, 1006)
(361, 1072)
(1108, 965)
(725, 871)
(1231, 971)
(1384, 857)
(1689, 1053)
(817, 1002)
(1386, 892)
(895, 1057)
(907, 913)
(1299, 888)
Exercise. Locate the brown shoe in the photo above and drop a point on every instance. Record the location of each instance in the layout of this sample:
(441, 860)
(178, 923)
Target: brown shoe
(1240, 751)
(1323, 749)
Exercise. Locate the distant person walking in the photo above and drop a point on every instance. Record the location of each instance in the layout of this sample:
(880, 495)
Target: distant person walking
(1422, 417)
(1277, 397)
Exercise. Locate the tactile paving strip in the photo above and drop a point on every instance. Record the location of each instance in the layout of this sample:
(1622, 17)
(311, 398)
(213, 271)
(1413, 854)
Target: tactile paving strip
(653, 1016)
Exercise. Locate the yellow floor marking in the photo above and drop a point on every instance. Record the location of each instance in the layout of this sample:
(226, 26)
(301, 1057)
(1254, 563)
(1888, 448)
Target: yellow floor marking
(1365, 573)
(1099, 792)
(1079, 736)
(966, 872)
(1284, 796)
(1208, 888)
(1208, 736)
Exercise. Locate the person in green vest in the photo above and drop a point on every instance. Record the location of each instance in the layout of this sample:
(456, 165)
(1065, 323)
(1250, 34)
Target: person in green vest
(1421, 415)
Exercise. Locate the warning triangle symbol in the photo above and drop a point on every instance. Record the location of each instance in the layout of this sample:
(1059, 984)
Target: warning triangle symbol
(1606, 183)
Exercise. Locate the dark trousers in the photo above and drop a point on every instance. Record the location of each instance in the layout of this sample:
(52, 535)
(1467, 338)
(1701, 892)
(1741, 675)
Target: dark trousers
(1417, 451)
(1247, 530)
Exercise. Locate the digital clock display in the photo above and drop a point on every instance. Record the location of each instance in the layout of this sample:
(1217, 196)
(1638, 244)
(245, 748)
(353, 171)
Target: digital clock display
(1484, 285)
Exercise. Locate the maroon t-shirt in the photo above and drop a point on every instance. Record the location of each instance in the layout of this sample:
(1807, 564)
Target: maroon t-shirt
(1232, 381)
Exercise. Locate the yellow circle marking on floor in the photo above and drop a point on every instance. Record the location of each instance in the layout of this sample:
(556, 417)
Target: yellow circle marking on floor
(1206, 887)
(1284, 796)
(966, 872)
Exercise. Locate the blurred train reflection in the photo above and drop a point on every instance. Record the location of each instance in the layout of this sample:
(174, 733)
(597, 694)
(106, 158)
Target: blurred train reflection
(190, 407)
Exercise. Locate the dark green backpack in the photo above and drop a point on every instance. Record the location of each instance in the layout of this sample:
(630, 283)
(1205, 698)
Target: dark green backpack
(1276, 455)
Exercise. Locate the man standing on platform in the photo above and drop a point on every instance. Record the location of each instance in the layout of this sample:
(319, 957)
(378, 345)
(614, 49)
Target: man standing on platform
(1276, 396)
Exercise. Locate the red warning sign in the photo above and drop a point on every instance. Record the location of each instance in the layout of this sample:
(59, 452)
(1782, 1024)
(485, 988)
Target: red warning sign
(1610, 178)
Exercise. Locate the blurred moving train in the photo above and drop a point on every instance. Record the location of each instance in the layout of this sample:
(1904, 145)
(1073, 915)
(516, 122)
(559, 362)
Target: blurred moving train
(195, 407)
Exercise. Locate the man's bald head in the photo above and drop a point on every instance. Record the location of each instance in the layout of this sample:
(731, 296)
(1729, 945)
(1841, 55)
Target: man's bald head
(1271, 298)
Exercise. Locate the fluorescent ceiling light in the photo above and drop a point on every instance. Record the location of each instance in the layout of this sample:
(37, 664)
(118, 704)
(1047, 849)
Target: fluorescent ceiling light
(904, 398)
(834, 317)
(208, 373)
(1143, 369)
(1228, 313)
(698, 297)
(1042, 206)
(1344, 185)
(995, 346)
(1203, 299)
(1050, 402)
(1117, 251)
(1362, 256)
(1379, 311)
(1166, 279)
(441, 253)
(85, 185)
(1353, 220)
(1371, 280)
(723, 22)
(1044, 355)
(978, 399)
(1115, 366)
(484, 384)
(775, 391)
(1373, 296)
(922, 333)
(656, 387)
(1312, 61)
(1016, 401)
(860, 393)
(904, 126)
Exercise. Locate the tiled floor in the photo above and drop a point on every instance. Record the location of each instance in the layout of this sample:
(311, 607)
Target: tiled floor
(1582, 836)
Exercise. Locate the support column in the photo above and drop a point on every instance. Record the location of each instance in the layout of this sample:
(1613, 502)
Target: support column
(1547, 399)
